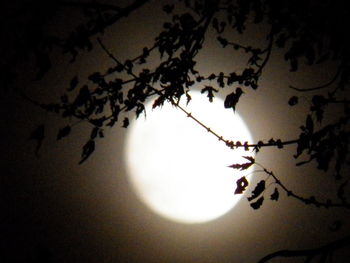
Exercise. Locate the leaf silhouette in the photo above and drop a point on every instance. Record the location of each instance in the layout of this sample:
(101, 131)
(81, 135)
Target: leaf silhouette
(38, 135)
(242, 184)
(73, 83)
(260, 187)
(249, 158)
(243, 166)
(88, 149)
(210, 90)
(275, 195)
(341, 192)
(63, 132)
(293, 101)
(258, 203)
(126, 123)
(232, 99)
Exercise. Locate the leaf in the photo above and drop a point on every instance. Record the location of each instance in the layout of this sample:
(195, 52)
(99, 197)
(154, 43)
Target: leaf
(88, 149)
(309, 124)
(341, 192)
(73, 83)
(243, 166)
(210, 90)
(258, 203)
(293, 101)
(249, 158)
(38, 135)
(232, 99)
(168, 8)
(242, 184)
(125, 122)
(222, 41)
(63, 132)
(94, 133)
(260, 187)
(275, 195)
(212, 76)
(95, 77)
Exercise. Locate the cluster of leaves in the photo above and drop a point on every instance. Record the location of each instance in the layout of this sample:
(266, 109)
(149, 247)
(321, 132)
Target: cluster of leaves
(126, 86)
(257, 197)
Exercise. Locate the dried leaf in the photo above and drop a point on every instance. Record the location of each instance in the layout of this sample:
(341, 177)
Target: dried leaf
(242, 184)
(260, 187)
(38, 135)
(258, 203)
(88, 149)
(275, 195)
(63, 132)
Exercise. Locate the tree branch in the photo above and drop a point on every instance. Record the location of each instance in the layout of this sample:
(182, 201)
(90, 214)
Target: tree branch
(309, 253)
(309, 201)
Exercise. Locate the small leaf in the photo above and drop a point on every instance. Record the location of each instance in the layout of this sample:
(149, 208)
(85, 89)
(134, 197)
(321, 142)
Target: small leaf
(212, 76)
(88, 149)
(275, 195)
(125, 123)
(38, 135)
(293, 101)
(260, 187)
(341, 192)
(243, 166)
(258, 203)
(309, 124)
(232, 99)
(249, 158)
(63, 132)
(242, 184)
(94, 133)
(73, 83)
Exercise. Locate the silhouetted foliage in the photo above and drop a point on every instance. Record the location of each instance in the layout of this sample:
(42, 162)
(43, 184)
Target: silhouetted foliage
(307, 32)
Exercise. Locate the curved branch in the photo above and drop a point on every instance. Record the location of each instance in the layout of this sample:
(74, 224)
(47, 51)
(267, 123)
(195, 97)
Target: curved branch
(319, 87)
(309, 201)
(309, 253)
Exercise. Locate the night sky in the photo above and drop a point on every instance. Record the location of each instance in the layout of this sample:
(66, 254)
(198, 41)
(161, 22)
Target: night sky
(52, 208)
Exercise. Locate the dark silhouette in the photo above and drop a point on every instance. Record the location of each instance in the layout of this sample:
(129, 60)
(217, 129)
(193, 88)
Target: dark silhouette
(308, 33)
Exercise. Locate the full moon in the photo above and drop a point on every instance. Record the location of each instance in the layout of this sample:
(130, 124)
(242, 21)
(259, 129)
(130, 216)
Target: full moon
(180, 170)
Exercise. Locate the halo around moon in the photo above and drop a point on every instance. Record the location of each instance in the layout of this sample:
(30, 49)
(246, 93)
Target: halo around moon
(177, 168)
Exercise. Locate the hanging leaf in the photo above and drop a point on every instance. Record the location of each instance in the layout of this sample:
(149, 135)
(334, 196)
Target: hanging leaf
(260, 187)
(242, 184)
(293, 101)
(341, 192)
(125, 123)
(249, 158)
(94, 133)
(222, 41)
(88, 149)
(73, 83)
(309, 124)
(210, 90)
(232, 99)
(275, 195)
(243, 166)
(63, 132)
(258, 203)
(38, 135)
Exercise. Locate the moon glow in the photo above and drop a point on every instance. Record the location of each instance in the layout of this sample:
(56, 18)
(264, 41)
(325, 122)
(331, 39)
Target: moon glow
(177, 168)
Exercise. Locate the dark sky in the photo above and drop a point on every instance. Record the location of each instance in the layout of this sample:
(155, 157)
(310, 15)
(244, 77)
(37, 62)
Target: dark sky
(52, 207)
